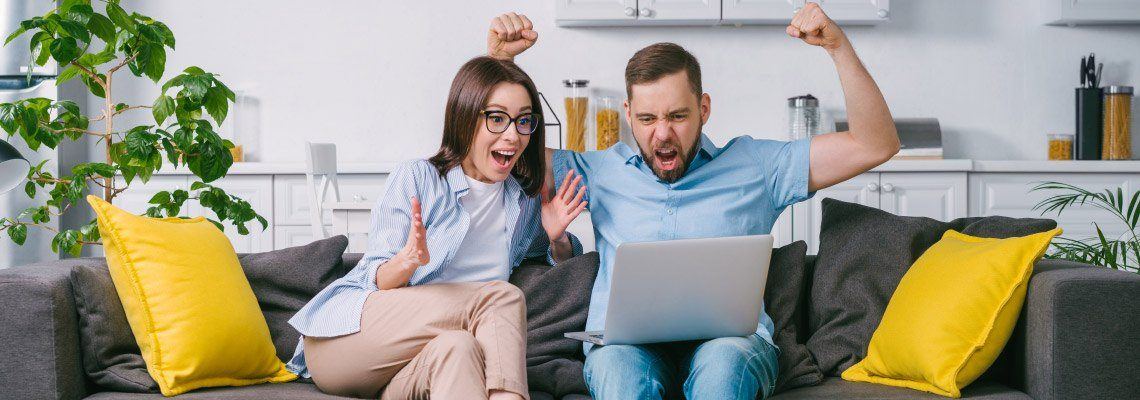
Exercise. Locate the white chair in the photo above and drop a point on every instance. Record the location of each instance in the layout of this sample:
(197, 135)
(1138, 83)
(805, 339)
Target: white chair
(349, 218)
(320, 163)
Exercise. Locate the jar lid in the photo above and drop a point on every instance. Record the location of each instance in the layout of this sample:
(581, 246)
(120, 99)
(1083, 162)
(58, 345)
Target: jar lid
(803, 101)
(575, 82)
(1118, 90)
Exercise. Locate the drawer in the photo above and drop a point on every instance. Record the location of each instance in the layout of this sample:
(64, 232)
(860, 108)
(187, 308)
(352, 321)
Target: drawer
(292, 196)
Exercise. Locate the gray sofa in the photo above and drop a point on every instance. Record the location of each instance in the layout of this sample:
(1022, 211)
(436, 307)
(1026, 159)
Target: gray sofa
(1078, 337)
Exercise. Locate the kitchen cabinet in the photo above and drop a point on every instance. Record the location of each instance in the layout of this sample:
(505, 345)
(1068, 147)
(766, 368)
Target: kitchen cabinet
(711, 12)
(636, 12)
(1091, 12)
(255, 189)
(292, 197)
(846, 12)
(938, 195)
(1010, 194)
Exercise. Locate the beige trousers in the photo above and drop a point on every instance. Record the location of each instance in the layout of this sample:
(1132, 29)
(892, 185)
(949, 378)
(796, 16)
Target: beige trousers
(438, 341)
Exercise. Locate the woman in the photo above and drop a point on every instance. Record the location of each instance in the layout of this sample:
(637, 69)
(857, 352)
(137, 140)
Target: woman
(427, 311)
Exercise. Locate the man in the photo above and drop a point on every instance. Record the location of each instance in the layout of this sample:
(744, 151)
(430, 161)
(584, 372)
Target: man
(680, 185)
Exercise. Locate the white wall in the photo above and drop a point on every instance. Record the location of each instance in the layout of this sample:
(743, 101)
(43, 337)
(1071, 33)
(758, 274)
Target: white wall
(372, 76)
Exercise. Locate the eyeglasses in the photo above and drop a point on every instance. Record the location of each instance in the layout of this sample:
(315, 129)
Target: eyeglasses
(498, 121)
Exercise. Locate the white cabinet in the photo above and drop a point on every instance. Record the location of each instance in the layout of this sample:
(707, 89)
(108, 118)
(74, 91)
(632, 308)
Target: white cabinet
(846, 12)
(258, 191)
(938, 195)
(292, 197)
(1091, 12)
(285, 236)
(711, 12)
(1010, 194)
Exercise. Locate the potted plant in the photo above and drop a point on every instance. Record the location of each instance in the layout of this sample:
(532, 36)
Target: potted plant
(100, 47)
(1121, 252)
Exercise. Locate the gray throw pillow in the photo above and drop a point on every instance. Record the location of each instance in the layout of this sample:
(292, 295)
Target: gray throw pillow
(863, 254)
(111, 357)
(284, 280)
(785, 301)
(557, 300)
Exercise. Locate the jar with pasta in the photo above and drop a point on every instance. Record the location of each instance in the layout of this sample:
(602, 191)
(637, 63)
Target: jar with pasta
(607, 122)
(577, 104)
(1117, 138)
(1060, 146)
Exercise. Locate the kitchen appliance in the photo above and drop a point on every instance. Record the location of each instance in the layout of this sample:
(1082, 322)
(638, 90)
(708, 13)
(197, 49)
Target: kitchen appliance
(919, 138)
(18, 82)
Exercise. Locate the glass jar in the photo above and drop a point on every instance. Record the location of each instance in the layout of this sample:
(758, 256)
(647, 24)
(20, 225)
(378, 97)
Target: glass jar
(607, 122)
(803, 117)
(1117, 139)
(577, 104)
(1060, 146)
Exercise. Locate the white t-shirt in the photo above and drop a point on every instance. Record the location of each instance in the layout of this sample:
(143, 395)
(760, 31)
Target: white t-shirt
(483, 255)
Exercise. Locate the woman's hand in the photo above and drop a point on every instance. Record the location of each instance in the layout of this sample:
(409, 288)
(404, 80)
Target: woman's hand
(510, 35)
(395, 272)
(560, 209)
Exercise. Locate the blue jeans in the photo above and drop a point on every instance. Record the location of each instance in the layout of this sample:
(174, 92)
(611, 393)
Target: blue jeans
(725, 368)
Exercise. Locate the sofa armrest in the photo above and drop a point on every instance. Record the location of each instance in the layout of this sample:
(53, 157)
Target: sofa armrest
(1079, 337)
(39, 333)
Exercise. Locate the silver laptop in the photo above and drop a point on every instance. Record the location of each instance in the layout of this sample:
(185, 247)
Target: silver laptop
(685, 290)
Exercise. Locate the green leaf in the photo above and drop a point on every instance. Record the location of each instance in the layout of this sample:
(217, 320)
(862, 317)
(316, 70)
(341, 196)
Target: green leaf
(68, 73)
(162, 109)
(160, 198)
(79, 12)
(15, 34)
(92, 85)
(30, 189)
(193, 70)
(217, 104)
(155, 64)
(166, 33)
(75, 30)
(64, 50)
(196, 86)
(120, 17)
(102, 27)
(18, 233)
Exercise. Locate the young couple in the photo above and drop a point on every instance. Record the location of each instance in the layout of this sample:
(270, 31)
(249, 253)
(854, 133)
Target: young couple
(427, 311)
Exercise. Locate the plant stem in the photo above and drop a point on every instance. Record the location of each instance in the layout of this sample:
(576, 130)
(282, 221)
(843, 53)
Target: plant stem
(108, 183)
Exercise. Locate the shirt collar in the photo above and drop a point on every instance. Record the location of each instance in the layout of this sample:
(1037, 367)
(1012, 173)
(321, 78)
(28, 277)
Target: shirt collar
(458, 182)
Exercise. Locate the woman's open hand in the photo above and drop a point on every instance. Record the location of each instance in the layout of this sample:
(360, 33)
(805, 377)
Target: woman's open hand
(560, 209)
(415, 250)
(510, 35)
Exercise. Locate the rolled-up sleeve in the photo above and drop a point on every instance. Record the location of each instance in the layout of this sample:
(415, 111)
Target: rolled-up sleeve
(391, 219)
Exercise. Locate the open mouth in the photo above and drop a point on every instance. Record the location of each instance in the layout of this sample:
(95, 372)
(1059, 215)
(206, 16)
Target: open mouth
(667, 159)
(502, 158)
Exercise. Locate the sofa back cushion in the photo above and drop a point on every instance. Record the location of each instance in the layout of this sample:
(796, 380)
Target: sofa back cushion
(863, 254)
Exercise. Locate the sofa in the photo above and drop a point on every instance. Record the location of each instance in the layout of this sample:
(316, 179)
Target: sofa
(1077, 338)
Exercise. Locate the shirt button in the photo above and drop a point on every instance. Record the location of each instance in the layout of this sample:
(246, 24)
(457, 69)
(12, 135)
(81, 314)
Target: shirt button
(669, 211)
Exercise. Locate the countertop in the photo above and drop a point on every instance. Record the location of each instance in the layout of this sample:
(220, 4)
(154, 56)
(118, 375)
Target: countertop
(950, 165)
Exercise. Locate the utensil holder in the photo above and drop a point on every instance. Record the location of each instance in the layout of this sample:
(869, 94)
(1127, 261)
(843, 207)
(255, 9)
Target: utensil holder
(1090, 123)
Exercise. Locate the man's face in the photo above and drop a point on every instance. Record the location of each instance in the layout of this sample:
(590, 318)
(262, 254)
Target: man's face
(667, 117)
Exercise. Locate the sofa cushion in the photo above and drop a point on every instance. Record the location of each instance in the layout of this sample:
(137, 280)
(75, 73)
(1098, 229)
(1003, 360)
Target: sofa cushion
(863, 253)
(111, 357)
(557, 299)
(284, 391)
(284, 280)
(782, 295)
(835, 388)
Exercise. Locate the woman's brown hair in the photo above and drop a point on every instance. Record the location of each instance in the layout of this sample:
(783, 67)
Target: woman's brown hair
(469, 93)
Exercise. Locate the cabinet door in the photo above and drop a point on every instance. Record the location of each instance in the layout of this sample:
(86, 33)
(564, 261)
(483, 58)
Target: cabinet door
(862, 189)
(781, 11)
(673, 11)
(938, 195)
(1009, 194)
(258, 191)
(595, 12)
(1098, 11)
(760, 11)
(285, 236)
(292, 197)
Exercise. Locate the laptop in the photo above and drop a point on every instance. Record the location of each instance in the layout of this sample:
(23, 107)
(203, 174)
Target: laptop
(688, 289)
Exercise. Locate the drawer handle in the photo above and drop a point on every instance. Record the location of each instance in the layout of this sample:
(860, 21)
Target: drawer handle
(888, 187)
(630, 12)
(873, 187)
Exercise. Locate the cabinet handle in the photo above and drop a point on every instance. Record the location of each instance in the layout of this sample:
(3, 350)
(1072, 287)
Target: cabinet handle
(874, 187)
(630, 12)
(883, 13)
(645, 12)
(888, 187)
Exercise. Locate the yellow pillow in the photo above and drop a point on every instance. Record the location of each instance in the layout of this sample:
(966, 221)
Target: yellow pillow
(952, 313)
(189, 304)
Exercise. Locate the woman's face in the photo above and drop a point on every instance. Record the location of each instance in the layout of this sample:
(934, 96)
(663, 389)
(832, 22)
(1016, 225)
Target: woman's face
(493, 155)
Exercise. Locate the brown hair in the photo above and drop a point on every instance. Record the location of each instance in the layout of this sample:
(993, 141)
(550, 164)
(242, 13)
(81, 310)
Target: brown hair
(469, 93)
(657, 60)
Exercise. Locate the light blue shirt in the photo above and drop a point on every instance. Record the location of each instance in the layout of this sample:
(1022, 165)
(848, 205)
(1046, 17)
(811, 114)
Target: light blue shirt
(736, 190)
(336, 310)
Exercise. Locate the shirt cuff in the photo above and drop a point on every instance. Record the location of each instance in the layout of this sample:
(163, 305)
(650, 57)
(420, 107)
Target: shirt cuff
(370, 272)
(575, 249)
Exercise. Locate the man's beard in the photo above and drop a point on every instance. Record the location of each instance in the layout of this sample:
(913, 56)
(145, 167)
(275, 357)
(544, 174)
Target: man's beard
(674, 174)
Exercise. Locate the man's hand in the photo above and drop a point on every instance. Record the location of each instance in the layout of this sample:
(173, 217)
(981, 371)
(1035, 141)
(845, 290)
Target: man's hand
(510, 35)
(815, 28)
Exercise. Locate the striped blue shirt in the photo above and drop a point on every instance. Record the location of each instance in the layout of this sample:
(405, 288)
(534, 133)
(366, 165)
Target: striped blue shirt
(739, 189)
(336, 310)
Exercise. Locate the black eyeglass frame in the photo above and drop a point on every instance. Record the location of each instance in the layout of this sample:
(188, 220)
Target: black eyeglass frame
(512, 120)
